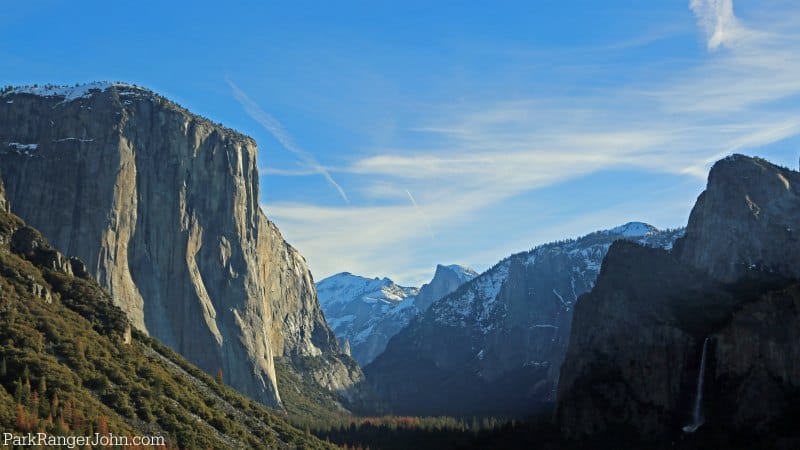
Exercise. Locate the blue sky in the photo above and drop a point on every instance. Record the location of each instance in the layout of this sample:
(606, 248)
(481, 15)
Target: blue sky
(397, 135)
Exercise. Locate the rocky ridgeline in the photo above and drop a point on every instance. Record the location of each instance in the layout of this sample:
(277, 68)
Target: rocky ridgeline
(494, 346)
(163, 206)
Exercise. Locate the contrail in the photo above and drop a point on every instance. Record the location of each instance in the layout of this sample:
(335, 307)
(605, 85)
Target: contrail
(419, 211)
(279, 133)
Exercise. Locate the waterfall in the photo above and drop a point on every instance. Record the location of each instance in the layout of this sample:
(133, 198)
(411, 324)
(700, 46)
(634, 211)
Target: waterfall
(697, 411)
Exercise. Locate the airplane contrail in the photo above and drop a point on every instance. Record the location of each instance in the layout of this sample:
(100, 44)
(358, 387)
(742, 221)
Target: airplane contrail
(421, 214)
(277, 131)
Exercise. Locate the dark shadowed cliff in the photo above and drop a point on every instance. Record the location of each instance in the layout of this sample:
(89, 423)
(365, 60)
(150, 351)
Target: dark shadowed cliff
(635, 365)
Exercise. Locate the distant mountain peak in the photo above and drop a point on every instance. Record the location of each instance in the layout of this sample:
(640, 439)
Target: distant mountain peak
(633, 229)
(367, 312)
(345, 287)
(465, 273)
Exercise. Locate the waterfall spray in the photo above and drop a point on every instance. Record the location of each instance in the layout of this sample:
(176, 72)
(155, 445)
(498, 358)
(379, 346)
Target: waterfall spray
(697, 411)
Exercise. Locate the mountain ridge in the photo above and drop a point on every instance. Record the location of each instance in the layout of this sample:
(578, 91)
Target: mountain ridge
(366, 312)
(457, 358)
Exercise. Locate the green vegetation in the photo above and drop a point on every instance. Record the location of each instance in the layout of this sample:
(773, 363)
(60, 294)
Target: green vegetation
(307, 404)
(71, 365)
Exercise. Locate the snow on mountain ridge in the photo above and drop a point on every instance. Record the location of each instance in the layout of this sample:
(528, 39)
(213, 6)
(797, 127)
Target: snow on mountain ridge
(464, 273)
(346, 287)
(367, 312)
(587, 253)
(503, 335)
(68, 92)
(633, 229)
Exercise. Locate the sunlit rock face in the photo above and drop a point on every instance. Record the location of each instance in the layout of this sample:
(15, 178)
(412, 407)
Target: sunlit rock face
(746, 220)
(163, 207)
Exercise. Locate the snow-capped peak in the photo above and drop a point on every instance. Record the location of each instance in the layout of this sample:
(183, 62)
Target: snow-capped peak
(365, 311)
(345, 287)
(633, 229)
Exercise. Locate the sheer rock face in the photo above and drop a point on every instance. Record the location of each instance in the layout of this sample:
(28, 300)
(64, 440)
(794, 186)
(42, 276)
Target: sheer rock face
(162, 206)
(746, 220)
(757, 362)
(628, 360)
(445, 280)
(634, 354)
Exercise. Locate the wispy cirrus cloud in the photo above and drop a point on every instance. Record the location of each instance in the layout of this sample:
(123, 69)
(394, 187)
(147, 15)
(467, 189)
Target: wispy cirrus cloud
(470, 156)
(280, 134)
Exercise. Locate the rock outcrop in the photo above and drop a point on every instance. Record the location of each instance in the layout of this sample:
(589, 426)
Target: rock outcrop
(162, 205)
(632, 370)
(746, 220)
(494, 346)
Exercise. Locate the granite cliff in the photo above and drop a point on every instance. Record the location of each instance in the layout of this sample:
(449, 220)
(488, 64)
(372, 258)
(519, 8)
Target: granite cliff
(745, 221)
(71, 363)
(700, 343)
(446, 279)
(163, 207)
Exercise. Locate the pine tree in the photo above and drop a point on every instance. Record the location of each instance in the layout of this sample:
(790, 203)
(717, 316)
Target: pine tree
(34, 404)
(18, 390)
(54, 402)
(22, 421)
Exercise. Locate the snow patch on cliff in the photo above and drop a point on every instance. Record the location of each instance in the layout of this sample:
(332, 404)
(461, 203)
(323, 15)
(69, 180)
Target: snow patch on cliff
(69, 93)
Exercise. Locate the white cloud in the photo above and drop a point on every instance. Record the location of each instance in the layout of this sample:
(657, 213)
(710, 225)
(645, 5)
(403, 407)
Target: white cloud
(287, 172)
(718, 21)
(370, 241)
